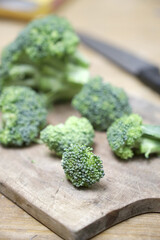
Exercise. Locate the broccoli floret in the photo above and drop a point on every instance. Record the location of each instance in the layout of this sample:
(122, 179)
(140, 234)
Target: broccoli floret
(128, 135)
(101, 103)
(81, 166)
(44, 56)
(23, 116)
(75, 130)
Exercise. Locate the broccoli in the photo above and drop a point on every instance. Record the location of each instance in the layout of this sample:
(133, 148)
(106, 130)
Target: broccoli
(23, 116)
(75, 130)
(101, 103)
(128, 135)
(44, 56)
(81, 166)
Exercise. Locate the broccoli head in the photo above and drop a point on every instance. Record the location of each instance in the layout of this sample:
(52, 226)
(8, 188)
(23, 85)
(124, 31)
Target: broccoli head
(51, 36)
(101, 103)
(81, 166)
(75, 130)
(23, 116)
(128, 135)
(44, 56)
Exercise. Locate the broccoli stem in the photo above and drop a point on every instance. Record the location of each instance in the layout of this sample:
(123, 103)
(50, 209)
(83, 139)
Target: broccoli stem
(149, 145)
(22, 75)
(150, 140)
(151, 131)
(79, 59)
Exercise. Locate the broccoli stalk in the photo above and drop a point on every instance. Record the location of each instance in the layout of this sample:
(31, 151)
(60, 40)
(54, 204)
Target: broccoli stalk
(150, 140)
(45, 57)
(128, 135)
(81, 166)
(149, 145)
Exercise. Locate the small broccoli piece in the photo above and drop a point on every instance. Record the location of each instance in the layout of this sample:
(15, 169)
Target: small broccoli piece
(75, 130)
(101, 103)
(23, 116)
(128, 135)
(81, 166)
(44, 56)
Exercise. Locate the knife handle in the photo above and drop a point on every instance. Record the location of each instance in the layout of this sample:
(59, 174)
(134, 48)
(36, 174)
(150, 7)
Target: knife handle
(151, 77)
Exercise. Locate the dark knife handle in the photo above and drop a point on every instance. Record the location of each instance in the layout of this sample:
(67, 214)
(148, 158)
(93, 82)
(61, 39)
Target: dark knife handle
(151, 77)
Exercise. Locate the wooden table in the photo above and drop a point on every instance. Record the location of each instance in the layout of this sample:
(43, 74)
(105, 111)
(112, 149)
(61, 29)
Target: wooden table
(134, 25)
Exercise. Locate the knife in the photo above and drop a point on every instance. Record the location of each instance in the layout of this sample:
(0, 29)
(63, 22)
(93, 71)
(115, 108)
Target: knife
(144, 70)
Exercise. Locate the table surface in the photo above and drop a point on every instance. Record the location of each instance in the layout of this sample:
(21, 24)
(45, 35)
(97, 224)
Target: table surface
(131, 24)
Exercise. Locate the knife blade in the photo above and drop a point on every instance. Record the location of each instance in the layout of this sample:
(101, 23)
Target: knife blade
(147, 72)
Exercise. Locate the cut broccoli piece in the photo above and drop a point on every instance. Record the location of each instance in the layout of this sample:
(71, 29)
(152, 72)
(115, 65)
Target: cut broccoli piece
(101, 103)
(23, 116)
(128, 135)
(44, 56)
(81, 166)
(61, 136)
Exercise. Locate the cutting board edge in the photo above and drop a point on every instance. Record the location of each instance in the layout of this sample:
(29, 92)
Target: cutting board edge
(42, 217)
(148, 205)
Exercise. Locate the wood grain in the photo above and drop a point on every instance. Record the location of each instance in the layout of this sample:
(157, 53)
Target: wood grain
(41, 189)
(15, 224)
(131, 24)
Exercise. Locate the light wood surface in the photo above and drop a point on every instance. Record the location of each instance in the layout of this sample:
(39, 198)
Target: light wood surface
(15, 224)
(132, 24)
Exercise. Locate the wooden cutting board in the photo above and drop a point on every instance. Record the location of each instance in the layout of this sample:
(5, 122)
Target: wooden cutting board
(33, 178)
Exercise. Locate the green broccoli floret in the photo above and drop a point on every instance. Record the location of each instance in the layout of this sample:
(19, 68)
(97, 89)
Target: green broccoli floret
(44, 56)
(81, 166)
(101, 103)
(128, 135)
(23, 116)
(75, 130)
